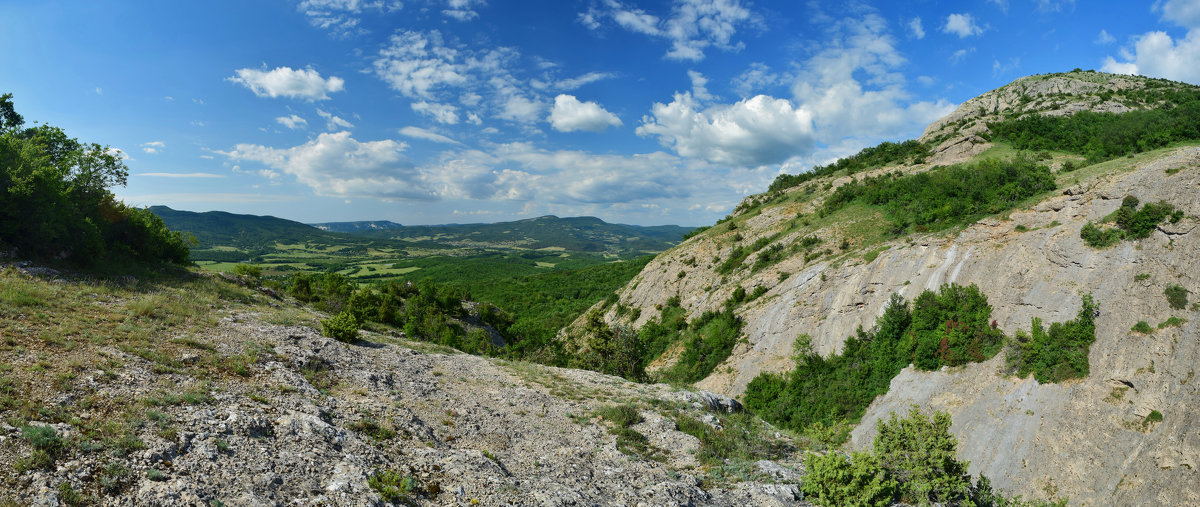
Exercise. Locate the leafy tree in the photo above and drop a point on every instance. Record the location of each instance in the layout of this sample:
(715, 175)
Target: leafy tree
(919, 453)
(834, 480)
(1058, 353)
(55, 202)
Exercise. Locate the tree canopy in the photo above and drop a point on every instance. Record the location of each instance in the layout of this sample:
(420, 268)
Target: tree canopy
(55, 201)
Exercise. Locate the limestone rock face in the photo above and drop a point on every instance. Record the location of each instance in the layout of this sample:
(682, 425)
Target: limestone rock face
(1088, 439)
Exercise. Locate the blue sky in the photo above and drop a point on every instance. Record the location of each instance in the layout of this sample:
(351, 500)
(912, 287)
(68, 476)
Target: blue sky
(441, 111)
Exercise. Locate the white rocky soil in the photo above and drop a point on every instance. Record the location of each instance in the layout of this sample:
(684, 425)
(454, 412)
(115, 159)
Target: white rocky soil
(470, 430)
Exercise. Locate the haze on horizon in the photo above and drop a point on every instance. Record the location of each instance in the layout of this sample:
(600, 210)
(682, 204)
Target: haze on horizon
(463, 111)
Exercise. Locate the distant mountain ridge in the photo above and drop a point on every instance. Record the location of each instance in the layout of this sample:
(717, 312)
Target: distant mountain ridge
(587, 234)
(581, 234)
(353, 227)
(213, 228)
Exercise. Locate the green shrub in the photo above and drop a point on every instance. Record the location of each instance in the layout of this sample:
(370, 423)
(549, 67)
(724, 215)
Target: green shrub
(948, 196)
(885, 153)
(1104, 136)
(1142, 327)
(919, 453)
(912, 461)
(342, 327)
(1177, 296)
(393, 487)
(248, 271)
(1099, 237)
(833, 480)
(1133, 223)
(43, 438)
(1172, 321)
(622, 416)
(1057, 353)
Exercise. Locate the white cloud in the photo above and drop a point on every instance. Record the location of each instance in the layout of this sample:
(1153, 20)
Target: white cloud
(337, 165)
(521, 109)
(463, 10)
(962, 25)
(1156, 54)
(916, 29)
(416, 64)
(1002, 4)
(1185, 13)
(700, 86)
(693, 25)
(576, 82)
(153, 146)
(334, 122)
(1054, 5)
(845, 94)
(428, 135)
(752, 132)
(853, 89)
(445, 114)
(755, 79)
(999, 69)
(341, 17)
(292, 121)
(284, 82)
(182, 175)
(570, 115)
(1104, 38)
(960, 55)
(521, 172)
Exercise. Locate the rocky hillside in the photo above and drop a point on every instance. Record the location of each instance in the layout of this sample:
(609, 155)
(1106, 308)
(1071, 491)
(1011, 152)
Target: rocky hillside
(1124, 434)
(197, 391)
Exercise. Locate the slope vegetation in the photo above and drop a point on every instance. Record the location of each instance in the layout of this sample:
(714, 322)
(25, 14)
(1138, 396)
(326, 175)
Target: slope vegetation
(978, 201)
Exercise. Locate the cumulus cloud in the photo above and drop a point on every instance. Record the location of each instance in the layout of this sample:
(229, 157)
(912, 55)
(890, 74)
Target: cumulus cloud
(445, 114)
(755, 79)
(1104, 38)
(916, 28)
(1156, 54)
(416, 64)
(692, 27)
(522, 172)
(1185, 13)
(962, 25)
(463, 10)
(752, 132)
(848, 92)
(570, 115)
(292, 121)
(877, 105)
(342, 17)
(519, 108)
(337, 165)
(428, 135)
(700, 86)
(334, 122)
(304, 84)
(153, 146)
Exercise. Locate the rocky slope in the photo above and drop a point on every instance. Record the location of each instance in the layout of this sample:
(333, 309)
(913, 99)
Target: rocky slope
(311, 421)
(1090, 439)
